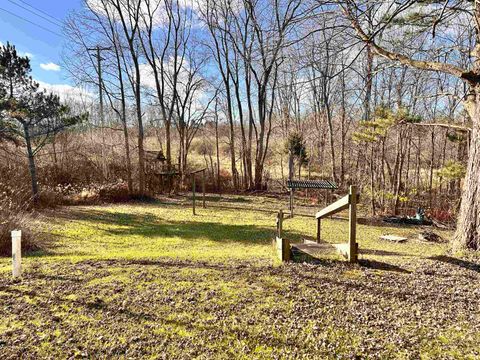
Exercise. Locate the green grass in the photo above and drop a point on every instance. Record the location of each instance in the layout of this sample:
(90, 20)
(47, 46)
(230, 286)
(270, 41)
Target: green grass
(153, 230)
(140, 279)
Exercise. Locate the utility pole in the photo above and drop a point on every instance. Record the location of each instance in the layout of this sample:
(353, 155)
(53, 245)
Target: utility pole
(97, 50)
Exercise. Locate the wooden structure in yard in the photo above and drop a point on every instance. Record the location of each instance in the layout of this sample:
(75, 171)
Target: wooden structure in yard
(194, 185)
(349, 249)
(160, 176)
(282, 246)
(293, 185)
(285, 251)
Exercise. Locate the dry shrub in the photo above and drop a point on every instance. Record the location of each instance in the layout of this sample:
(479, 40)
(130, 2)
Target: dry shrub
(114, 193)
(49, 198)
(14, 215)
(95, 194)
(225, 179)
(442, 215)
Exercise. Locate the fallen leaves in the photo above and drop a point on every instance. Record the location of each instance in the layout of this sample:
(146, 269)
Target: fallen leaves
(186, 309)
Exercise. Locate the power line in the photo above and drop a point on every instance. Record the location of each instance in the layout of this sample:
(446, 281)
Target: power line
(56, 23)
(31, 22)
(40, 10)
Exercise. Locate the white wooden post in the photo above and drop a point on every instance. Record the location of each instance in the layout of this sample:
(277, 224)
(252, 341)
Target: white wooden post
(17, 253)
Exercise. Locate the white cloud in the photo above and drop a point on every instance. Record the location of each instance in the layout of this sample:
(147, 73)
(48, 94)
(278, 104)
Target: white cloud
(147, 79)
(50, 67)
(66, 92)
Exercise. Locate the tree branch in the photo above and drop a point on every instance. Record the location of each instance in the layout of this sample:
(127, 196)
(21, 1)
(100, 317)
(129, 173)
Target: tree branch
(405, 60)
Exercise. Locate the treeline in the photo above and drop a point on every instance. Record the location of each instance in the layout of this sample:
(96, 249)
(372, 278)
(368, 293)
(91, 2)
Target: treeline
(227, 83)
(265, 70)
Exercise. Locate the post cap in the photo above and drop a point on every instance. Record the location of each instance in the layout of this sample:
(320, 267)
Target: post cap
(17, 233)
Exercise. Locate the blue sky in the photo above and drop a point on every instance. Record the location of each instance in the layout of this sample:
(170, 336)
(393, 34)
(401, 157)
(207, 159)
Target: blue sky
(43, 46)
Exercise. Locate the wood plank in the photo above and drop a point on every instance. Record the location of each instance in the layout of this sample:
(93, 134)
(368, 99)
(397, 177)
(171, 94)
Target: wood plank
(337, 206)
(319, 229)
(282, 247)
(313, 248)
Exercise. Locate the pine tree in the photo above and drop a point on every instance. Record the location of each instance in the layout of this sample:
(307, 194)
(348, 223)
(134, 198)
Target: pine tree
(28, 116)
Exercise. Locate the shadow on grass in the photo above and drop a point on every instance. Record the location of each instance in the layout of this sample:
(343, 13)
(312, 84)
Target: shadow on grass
(217, 198)
(379, 265)
(125, 224)
(458, 262)
(299, 256)
(379, 252)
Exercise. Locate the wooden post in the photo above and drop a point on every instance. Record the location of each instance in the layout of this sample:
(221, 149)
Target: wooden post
(291, 202)
(352, 210)
(203, 188)
(17, 253)
(318, 230)
(193, 193)
(279, 223)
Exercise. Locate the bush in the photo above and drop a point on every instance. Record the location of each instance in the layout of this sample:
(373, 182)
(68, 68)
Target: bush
(111, 193)
(14, 216)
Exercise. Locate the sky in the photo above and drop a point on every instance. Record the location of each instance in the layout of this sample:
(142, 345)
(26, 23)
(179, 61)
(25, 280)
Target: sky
(34, 27)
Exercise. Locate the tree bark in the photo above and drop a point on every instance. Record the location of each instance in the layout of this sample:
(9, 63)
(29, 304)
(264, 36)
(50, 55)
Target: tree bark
(468, 226)
(31, 165)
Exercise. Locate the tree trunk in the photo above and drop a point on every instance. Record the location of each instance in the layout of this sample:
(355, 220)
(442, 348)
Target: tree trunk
(432, 166)
(232, 156)
(141, 154)
(467, 235)
(31, 165)
(372, 179)
(368, 84)
(127, 157)
(332, 143)
(217, 152)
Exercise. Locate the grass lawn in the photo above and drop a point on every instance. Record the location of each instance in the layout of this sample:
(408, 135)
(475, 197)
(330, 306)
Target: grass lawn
(150, 280)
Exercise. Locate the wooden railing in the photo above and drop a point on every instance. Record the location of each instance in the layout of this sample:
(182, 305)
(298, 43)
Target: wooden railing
(350, 249)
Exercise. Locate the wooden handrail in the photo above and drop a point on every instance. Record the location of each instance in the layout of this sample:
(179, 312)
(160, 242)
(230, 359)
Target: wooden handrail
(337, 206)
(350, 249)
(331, 209)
